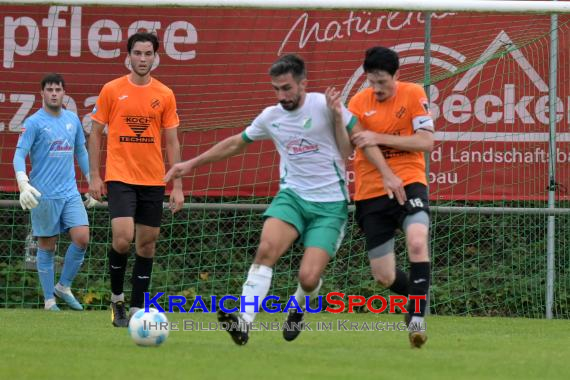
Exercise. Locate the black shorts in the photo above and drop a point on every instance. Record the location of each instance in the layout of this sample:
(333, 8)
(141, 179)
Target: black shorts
(380, 217)
(143, 203)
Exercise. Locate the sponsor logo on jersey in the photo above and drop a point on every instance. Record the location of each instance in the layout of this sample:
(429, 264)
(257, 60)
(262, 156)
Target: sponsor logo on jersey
(137, 124)
(60, 147)
(301, 146)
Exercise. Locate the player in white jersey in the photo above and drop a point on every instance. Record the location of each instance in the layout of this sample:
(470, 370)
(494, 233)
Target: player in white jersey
(311, 206)
(52, 137)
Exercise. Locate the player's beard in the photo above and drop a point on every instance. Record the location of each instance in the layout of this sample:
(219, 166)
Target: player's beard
(291, 105)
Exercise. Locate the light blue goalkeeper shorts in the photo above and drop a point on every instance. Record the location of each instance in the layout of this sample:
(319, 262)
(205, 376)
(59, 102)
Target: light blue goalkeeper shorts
(54, 216)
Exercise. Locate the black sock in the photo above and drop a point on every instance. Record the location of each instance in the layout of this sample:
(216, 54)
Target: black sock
(400, 284)
(117, 268)
(419, 285)
(142, 271)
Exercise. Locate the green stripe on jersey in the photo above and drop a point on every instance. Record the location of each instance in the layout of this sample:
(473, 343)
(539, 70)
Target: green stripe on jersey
(351, 123)
(246, 138)
(341, 182)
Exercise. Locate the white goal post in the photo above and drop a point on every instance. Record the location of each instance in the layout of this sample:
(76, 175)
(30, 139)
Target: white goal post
(403, 5)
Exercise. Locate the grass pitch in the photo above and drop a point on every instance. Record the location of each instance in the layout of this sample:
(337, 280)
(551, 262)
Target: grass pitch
(35, 344)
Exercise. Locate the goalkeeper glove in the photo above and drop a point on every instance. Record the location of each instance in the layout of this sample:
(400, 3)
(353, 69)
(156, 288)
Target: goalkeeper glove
(89, 201)
(28, 194)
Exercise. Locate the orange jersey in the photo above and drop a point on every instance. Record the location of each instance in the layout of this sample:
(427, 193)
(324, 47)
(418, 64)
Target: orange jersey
(135, 116)
(393, 116)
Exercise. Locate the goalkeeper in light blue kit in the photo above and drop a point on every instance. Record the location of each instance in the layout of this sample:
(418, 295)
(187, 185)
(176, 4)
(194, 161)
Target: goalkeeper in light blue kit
(52, 137)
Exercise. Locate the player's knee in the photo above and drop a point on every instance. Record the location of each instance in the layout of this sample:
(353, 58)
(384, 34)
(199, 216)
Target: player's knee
(121, 245)
(417, 246)
(309, 280)
(385, 279)
(146, 249)
(81, 241)
(266, 252)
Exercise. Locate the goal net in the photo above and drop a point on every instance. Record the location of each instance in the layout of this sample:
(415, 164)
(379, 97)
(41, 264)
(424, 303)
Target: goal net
(488, 78)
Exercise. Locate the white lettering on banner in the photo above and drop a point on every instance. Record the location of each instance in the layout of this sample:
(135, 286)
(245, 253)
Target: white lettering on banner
(366, 23)
(12, 48)
(443, 178)
(27, 102)
(53, 23)
(179, 36)
(104, 31)
(492, 155)
(491, 109)
(190, 37)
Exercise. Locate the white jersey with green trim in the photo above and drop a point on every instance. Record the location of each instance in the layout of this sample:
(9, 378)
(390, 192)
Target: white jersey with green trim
(311, 164)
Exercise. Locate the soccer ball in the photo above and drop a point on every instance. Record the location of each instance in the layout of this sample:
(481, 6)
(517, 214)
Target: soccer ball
(148, 329)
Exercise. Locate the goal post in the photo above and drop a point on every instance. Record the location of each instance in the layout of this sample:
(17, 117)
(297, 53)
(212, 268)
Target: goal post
(499, 174)
(487, 6)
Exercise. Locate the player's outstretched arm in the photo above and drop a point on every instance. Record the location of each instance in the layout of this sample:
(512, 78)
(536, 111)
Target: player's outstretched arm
(226, 148)
(96, 187)
(392, 183)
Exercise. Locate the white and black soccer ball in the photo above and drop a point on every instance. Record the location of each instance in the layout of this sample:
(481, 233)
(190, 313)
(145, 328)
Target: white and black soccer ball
(149, 329)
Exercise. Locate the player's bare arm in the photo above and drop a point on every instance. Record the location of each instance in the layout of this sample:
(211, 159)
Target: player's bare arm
(392, 183)
(421, 141)
(173, 154)
(334, 103)
(226, 148)
(96, 186)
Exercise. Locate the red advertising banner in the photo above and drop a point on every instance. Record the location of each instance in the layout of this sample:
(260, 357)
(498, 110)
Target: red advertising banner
(489, 96)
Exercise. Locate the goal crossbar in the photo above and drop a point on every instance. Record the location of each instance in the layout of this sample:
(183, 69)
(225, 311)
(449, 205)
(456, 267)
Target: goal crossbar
(393, 5)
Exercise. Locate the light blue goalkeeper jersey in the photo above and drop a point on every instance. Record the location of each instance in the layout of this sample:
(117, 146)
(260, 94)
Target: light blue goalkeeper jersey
(52, 142)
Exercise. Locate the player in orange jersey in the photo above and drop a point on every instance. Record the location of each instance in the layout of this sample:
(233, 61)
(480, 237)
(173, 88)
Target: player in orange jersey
(138, 109)
(395, 116)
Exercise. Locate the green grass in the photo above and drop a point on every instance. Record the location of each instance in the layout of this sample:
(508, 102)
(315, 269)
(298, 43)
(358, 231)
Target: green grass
(35, 344)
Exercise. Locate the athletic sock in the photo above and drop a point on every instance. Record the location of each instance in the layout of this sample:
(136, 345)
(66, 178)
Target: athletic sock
(73, 260)
(419, 285)
(44, 264)
(400, 284)
(257, 284)
(300, 294)
(117, 269)
(140, 280)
